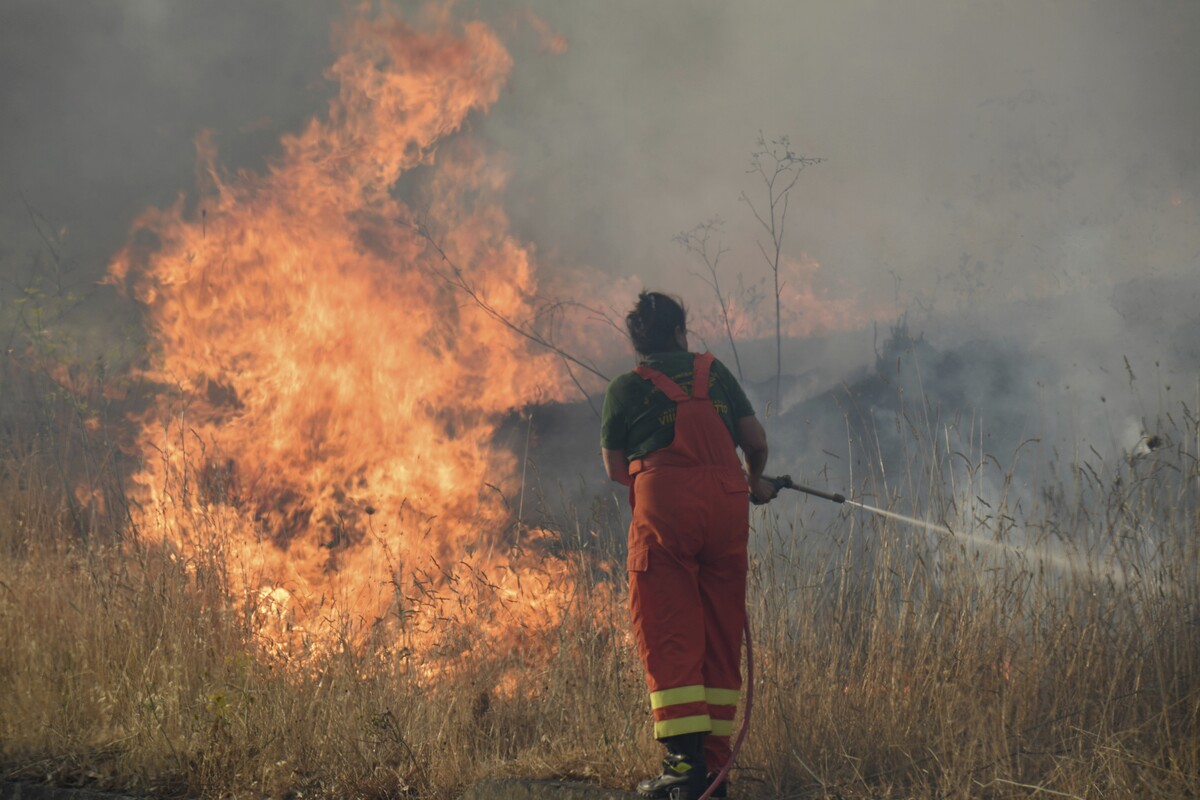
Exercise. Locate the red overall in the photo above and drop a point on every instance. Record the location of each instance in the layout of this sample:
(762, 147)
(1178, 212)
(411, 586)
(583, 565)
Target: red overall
(687, 568)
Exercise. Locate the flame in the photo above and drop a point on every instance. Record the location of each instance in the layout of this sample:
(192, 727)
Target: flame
(805, 309)
(330, 398)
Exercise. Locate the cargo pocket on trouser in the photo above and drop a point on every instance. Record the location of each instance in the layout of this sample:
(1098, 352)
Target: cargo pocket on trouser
(668, 624)
(638, 563)
(638, 559)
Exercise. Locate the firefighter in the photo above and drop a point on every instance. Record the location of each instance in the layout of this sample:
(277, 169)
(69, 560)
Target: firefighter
(670, 431)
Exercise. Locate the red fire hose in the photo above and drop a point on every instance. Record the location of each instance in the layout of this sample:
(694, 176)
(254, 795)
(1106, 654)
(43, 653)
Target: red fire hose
(786, 482)
(737, 743)
(782, 482)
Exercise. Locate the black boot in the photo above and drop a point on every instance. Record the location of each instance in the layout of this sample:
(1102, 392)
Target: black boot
(683, 776)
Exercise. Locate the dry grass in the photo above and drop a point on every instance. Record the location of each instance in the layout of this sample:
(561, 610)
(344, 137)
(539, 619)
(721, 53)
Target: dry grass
(890, 662)
(138, 669)
(947, 669)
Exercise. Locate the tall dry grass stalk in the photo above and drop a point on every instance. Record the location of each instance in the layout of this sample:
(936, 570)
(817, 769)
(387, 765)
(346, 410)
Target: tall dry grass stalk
(1020, 645)
(139, 669)
(1049, 646)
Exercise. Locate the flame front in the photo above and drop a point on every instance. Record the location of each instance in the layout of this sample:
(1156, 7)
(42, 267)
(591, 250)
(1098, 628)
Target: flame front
(336, 396)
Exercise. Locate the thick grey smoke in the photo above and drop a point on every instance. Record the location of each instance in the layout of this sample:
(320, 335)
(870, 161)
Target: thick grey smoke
(1022, 173)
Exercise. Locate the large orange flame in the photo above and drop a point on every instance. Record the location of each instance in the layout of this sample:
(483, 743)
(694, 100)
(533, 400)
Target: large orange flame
(335, 397)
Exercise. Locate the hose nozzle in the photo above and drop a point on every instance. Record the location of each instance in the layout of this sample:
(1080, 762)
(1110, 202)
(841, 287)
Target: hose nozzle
(786, 482)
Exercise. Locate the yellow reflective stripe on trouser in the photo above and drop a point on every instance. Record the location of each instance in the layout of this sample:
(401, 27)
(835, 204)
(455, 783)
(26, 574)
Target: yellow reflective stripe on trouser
(722, 727)
(673, 727)
(722, 697)
(675, 697)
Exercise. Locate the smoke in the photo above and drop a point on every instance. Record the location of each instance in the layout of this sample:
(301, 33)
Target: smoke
(1025, 175)
(102, 103)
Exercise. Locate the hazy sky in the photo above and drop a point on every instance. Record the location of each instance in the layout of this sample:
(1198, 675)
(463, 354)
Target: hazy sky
(977, 154)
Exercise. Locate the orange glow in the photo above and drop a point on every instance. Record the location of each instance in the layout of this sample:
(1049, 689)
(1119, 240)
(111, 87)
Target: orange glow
(550, 40)
(804, 309)
(329, 400)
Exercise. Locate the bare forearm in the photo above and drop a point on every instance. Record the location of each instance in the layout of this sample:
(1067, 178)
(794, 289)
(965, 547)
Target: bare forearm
(616, 466)
(756, 462)
(753, 441)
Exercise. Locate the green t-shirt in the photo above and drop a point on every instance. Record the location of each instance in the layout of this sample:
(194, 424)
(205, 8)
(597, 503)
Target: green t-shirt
(639, 419)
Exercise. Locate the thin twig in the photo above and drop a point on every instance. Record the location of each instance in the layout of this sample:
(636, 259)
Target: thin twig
(458, 280)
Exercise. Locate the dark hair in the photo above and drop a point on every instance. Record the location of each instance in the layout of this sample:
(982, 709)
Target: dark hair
(653, 321)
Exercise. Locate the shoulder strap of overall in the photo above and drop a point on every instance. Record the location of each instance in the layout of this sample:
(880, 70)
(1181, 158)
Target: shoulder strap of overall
(701, 366)
(700, 369)
(668, 387)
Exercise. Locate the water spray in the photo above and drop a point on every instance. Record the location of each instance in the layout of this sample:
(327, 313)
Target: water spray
(786, 482)
(1056, 561)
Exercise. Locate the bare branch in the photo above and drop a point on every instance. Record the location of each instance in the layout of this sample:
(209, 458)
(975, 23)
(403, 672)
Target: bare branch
(777, 158)
(455, 277)
(579, 386)
(696, 241)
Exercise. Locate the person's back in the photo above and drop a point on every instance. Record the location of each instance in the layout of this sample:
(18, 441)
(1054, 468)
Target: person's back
(670, 431)
(640, 418)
